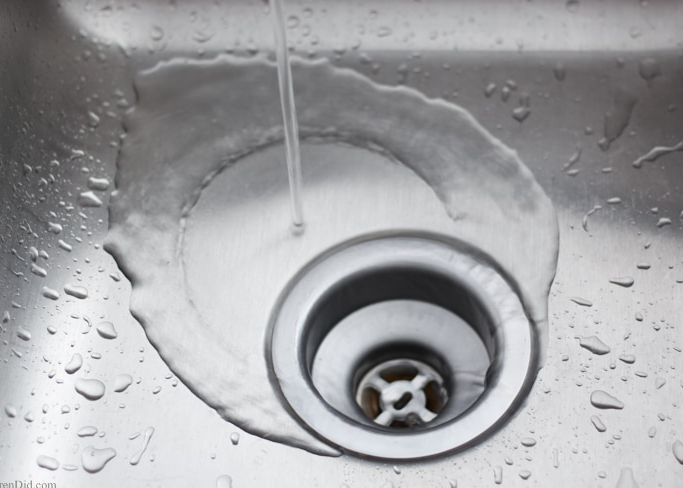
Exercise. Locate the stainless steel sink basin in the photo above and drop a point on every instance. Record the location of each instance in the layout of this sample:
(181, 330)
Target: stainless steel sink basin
(587, 92)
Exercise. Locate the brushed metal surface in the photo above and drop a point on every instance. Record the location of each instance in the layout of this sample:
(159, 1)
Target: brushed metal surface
(61, 61)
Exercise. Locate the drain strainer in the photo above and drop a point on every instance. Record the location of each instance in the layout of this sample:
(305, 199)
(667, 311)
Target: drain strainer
(402, 347)
(402, 393)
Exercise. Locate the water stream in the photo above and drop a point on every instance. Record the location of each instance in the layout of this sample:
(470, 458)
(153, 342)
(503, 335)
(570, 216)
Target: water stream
(284, 74)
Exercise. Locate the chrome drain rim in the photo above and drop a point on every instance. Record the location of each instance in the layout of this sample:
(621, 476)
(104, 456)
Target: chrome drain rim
(312, 307)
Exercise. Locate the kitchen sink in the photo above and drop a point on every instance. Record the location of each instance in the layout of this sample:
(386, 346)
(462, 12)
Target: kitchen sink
(98, 94)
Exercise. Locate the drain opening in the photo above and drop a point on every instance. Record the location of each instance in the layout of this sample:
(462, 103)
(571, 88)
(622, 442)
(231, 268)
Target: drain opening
(411, 338)
(401, 393)
(401, 348)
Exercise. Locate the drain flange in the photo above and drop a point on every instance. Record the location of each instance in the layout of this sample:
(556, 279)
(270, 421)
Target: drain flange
(402, 347)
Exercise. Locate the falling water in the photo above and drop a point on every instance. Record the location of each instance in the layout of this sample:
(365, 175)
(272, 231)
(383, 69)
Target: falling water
(284, 74)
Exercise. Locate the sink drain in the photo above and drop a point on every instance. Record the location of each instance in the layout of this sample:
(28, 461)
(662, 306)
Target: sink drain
(402, 393)
(401, 347)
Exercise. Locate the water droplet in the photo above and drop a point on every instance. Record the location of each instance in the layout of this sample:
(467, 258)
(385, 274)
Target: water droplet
(224, 481)
(584, 220)
(505, 93)
(6, 317)
(145, 442)
(87, 431)
(47, 462)
(582, 301)
(639, 316)
(235, 438)
(511, 84)
(663, 221)
(93, 119)
(89, 199)
(397, 470)
(651, 432)
(556, 458)
(525, 474)
(384, 31)
(50, 293)
(203, 35)
(23, 334)
(643, 266)
(90, 389)
(574, 158)
(156, 33)
(594, 345)
(626, 479)
(625, 281)
(74, 364)
(490, 89)
(93, 460)
(54, 227)
(655, 153)
(660, 382)
(99, 184)
(617, 117)
(649, 68)
(677, 450)
(76, 291)
(498, 475)
(38, 271)
(10, 411)
(122, 382)
(601, 399)
(521, 113)
(614, 201)
(107, 330)
(528, 441)
(597, 422)
(65, 246)
(641, 374)
(627, 358)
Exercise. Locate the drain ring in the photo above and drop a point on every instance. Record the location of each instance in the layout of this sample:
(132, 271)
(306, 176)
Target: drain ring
(429, 269)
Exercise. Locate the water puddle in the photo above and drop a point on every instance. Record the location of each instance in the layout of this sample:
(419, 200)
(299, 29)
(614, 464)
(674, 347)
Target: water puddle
(199, 219)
